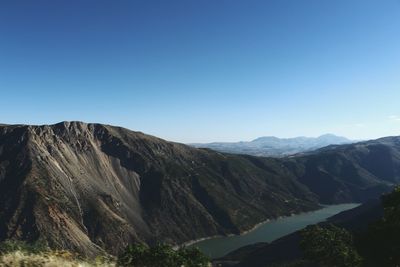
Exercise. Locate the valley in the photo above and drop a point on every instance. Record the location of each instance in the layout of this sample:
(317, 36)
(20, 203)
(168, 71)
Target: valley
(93, 188)
(268, 231)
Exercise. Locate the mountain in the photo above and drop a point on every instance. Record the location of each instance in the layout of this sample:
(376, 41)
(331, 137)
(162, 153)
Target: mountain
(338, 172)
(92, 187)
(276, 147)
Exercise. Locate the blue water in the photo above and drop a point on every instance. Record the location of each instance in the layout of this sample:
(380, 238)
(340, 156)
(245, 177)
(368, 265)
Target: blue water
(269, 231)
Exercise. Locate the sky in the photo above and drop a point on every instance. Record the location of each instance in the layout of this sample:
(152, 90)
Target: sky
(204, 70)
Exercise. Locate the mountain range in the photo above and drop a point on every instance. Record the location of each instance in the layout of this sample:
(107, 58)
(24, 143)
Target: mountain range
(94, 188)
(274, 146)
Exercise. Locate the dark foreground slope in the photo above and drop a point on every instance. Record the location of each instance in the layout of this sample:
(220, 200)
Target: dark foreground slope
(335, 173)
(287, 248)
(87, 187)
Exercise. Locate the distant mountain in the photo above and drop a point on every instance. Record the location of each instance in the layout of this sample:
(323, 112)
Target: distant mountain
(276, 147)
(93, 187)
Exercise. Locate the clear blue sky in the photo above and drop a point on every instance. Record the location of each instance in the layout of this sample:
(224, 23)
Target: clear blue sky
(204, 70)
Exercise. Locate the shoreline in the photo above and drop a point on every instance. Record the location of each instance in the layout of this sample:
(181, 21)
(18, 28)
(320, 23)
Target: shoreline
(194, 241)
(220, 245)
(255, 227)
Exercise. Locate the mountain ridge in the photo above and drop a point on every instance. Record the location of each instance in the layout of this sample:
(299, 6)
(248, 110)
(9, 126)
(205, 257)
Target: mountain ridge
(93, 187)
(275, 146)
(79, 186)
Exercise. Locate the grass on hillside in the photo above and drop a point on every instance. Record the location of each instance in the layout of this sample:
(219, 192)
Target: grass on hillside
(20, 254)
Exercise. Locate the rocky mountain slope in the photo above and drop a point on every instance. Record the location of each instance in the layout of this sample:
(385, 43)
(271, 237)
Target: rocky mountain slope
(274, 146)
(93, 187)
(88, 187)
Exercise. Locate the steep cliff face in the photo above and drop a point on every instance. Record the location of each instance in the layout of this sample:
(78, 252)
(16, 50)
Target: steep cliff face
(92, 187)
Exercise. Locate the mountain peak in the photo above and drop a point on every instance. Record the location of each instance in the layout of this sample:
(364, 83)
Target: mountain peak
(330, 135)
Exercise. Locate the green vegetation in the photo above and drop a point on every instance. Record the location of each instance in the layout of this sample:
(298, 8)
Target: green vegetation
(14, 245)
(22, 254)
(329, 246)
(379, 245)
(139, 255)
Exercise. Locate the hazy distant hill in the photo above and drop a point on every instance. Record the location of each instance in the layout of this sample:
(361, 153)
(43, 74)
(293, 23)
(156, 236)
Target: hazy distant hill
(93, 187)
(276, 147)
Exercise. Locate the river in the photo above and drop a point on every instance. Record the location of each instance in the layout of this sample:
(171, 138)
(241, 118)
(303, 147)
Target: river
(269, 231)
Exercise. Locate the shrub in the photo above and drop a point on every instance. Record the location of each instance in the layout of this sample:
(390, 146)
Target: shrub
(380, 245)
(21, 254)
(161, 255)
(8, 246)
(329, 246)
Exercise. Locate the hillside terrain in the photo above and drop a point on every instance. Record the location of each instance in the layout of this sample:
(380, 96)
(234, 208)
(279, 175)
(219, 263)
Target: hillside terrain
(271, 146)
(287, 248)
(91, 188)
(367, 236)
(340, 172)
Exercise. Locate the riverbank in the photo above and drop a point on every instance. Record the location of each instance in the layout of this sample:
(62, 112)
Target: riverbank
(267, 230)
(193, 242)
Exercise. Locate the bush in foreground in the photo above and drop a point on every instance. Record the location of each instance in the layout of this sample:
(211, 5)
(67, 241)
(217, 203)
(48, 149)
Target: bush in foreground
(329, 246)
(380, 245)
(161, 256)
